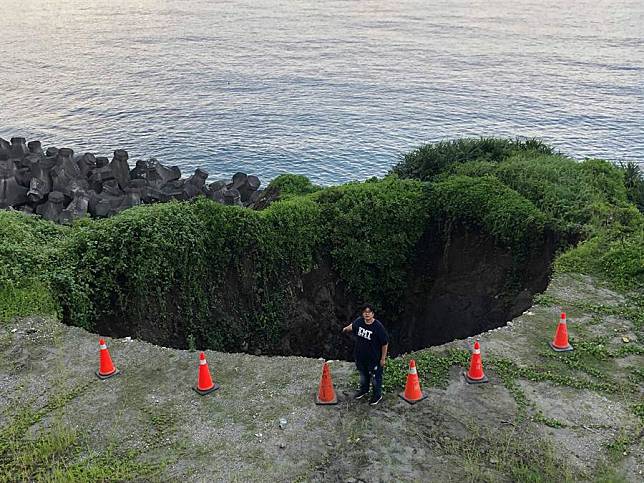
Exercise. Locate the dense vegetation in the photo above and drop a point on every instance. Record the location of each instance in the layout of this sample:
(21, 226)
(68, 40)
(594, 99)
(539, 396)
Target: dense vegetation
(593, 201)
(182, 258)
(27, 251)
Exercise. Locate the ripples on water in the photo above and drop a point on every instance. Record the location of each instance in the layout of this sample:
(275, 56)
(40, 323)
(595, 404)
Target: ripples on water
(334, 90)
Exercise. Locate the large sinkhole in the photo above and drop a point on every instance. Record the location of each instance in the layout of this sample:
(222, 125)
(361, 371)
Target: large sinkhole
(457, 286)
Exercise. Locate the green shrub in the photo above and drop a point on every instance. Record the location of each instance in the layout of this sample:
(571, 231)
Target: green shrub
(430, 160)
(570, 192)
(30, 297)
(370, 231)
(489, 204)
(634, 183)
(27, 257)
(474, 169)
(615, 255)
(292, 185)
(606, 179)
(577, 196)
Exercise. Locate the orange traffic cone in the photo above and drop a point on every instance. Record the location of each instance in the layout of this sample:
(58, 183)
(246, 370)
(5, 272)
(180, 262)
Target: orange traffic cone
(476, 375)
(106, 368)
(412, 393)
(326, 393)
(204, 383)
(560, 342)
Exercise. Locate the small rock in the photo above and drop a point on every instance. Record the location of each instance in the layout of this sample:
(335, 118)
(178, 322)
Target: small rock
(128, 339)
(329, 443)
(625, 340)
(529, 313)
(493, 461)
(282, 445)
(283, 423)
(510, 324)
(14, 330)
(30, 330)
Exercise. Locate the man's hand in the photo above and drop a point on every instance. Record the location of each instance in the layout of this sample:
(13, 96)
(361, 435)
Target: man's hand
(383, 355)
(348, 328)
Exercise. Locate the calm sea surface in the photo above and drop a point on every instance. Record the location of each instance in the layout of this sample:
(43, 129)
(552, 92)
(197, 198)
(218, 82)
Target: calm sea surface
(335, 90)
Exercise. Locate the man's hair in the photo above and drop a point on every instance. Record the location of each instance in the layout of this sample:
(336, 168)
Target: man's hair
(367, 307)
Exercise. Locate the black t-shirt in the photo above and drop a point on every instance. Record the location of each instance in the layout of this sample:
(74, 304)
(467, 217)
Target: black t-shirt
(369, 340)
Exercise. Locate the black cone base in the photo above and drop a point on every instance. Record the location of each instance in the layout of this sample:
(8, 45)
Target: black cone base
(411, 401)
(557, 349)
(207, 391)
(107, 376)
(469, 380)
(324, 403)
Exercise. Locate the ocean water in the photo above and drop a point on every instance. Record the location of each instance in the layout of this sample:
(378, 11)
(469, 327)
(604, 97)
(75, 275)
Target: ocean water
(335, 90)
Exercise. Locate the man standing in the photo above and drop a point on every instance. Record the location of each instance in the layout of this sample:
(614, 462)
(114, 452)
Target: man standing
(371, 347)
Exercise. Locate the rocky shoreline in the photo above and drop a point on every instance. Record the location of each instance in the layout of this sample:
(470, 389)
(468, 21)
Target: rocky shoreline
(61, 186)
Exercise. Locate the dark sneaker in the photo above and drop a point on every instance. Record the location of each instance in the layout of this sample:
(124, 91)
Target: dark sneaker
(360, 394)
(373, 401)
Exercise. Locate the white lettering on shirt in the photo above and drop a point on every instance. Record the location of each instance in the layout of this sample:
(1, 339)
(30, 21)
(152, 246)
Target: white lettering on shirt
(362, 332)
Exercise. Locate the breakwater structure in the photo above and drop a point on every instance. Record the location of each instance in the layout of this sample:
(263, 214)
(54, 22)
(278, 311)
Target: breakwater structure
(61, 187)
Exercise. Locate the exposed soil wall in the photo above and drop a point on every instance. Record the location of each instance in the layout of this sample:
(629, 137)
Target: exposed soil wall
(464, 283)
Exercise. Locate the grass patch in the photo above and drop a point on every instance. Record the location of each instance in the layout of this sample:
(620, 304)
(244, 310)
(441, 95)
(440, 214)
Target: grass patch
(632, 309)
(58, 453)
(433, 368)
(512, 452)
(33, 297)
(563, 373)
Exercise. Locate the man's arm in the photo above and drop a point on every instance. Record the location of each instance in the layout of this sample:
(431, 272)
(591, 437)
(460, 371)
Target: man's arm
(348, 328)
(383, 354)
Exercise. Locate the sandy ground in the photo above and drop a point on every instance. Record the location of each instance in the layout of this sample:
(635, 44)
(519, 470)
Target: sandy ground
(459, 433)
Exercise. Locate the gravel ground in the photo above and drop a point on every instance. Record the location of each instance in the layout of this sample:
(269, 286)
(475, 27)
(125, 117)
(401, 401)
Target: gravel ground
(234, 433)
